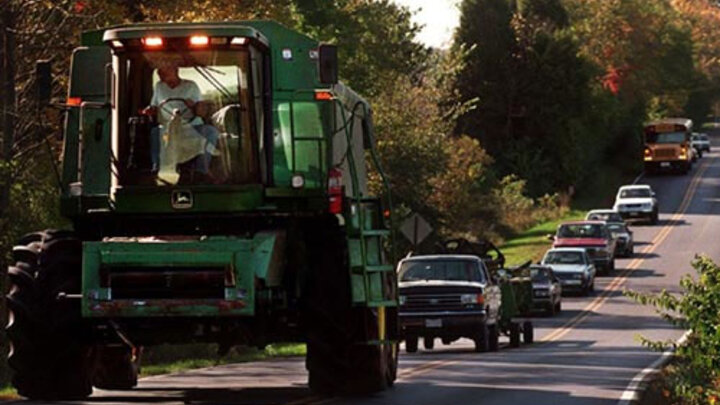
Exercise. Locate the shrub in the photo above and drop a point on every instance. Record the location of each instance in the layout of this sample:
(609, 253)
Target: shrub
(695, 379)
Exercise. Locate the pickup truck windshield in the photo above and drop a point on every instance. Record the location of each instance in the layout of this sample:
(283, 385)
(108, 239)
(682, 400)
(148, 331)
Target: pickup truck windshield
(564, 258)
(441, 270)
(539, 275)
(581, 231)
(635, 193)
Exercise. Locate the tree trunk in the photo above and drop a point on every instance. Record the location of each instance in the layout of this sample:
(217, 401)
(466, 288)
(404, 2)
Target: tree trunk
(7, 109)
(9, 101)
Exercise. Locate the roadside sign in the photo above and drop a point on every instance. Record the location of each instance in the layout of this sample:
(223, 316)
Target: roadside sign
(416, 229)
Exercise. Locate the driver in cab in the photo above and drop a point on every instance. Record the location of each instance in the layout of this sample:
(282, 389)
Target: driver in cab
(183, 142)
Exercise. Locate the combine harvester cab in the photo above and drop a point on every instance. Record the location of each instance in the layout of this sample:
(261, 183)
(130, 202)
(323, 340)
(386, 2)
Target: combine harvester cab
(215, 176)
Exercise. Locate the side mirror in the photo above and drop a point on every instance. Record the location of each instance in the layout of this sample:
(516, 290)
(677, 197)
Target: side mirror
(328, 64)
(43, 82)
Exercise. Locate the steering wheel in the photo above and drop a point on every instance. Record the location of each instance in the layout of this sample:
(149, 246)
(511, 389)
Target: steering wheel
(185, 112)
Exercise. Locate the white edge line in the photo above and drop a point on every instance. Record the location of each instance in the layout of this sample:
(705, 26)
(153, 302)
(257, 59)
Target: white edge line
(636, 386)
(638, 177)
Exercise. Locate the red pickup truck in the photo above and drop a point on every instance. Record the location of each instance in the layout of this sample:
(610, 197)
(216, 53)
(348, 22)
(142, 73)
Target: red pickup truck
(594, 236)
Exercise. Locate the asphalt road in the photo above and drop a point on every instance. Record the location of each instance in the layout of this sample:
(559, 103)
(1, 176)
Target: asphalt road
(588, 354)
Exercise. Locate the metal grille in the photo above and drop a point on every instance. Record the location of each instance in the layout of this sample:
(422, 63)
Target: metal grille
(664, 153)
(432, 302)
(167, 282)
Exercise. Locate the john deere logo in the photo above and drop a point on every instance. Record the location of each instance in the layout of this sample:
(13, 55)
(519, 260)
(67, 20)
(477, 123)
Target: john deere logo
(181, 199)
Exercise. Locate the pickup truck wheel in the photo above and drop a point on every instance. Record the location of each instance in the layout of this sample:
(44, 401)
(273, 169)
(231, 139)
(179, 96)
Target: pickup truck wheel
(428, 343)
(494, 342)
(514, 334)
(528, 332)
(482, 339)
(558, 307)
(49, 357)
(611, 267)
(411, 344)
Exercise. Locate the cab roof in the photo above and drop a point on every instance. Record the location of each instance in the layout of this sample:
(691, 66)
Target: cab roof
(635, 186)
(586, 222)
(441, 257)
(174, 30)
(686, 122)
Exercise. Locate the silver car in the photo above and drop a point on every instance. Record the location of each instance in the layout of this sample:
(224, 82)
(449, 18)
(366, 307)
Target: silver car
(573, 267)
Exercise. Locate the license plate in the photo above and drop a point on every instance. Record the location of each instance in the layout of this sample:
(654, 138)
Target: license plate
(634, 214)
(573, 282)
(433, 323)
(665, 164)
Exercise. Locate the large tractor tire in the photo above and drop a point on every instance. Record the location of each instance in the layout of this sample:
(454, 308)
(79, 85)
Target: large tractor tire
(115, 367)
(49, 357)
(337, 361)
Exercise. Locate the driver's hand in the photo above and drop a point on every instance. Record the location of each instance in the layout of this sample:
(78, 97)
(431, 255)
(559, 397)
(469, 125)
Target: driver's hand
(150, 110)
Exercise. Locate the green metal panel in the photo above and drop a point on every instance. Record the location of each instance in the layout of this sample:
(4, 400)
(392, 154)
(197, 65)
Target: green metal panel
(205, 199)
(248, 259)
(96, 152)
(298, 72)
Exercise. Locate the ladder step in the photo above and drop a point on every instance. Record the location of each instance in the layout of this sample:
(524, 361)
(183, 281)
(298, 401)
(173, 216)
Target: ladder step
(380, 268)
(357, 233)
(388, 303)
(376, 232)
(383, 268)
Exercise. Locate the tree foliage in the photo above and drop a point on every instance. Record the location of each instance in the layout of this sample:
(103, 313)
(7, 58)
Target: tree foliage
(696, 379)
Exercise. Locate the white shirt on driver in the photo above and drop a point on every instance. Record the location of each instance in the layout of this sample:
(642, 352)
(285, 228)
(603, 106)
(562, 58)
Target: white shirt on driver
(186, 90)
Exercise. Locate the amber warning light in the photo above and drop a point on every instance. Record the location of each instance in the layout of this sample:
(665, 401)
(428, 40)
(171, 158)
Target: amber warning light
(152, 42)
(199, 40)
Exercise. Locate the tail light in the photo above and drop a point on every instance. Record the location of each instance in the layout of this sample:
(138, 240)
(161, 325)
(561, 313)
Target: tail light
(648, 154)
(335, 192)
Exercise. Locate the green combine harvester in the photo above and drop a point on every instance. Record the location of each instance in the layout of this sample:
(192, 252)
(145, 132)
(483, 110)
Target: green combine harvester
(215, 176)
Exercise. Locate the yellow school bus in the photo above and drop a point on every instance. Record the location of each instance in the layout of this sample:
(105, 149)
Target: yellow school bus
(667, 145)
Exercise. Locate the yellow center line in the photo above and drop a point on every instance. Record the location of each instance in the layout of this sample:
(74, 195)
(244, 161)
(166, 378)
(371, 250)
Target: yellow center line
(557, 334)
(617, 283)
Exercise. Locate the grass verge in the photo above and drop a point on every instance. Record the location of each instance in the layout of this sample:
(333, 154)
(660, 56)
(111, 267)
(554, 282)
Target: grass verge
(8, 394)
(167, 359)
(532, 244)
(599, 192)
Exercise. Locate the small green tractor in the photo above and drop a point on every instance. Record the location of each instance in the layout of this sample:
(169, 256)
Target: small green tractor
(215, 176)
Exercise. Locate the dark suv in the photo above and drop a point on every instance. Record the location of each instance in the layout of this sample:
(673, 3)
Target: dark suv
(448, 297)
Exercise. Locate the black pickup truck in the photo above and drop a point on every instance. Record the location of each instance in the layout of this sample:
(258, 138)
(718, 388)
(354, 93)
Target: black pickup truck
(448, 296)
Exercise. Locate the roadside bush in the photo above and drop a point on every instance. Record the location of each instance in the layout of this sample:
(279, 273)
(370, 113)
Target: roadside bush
(695, 377)
(519, 212)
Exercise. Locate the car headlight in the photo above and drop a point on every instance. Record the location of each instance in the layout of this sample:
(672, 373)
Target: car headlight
(403, 299)
(472, 299)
